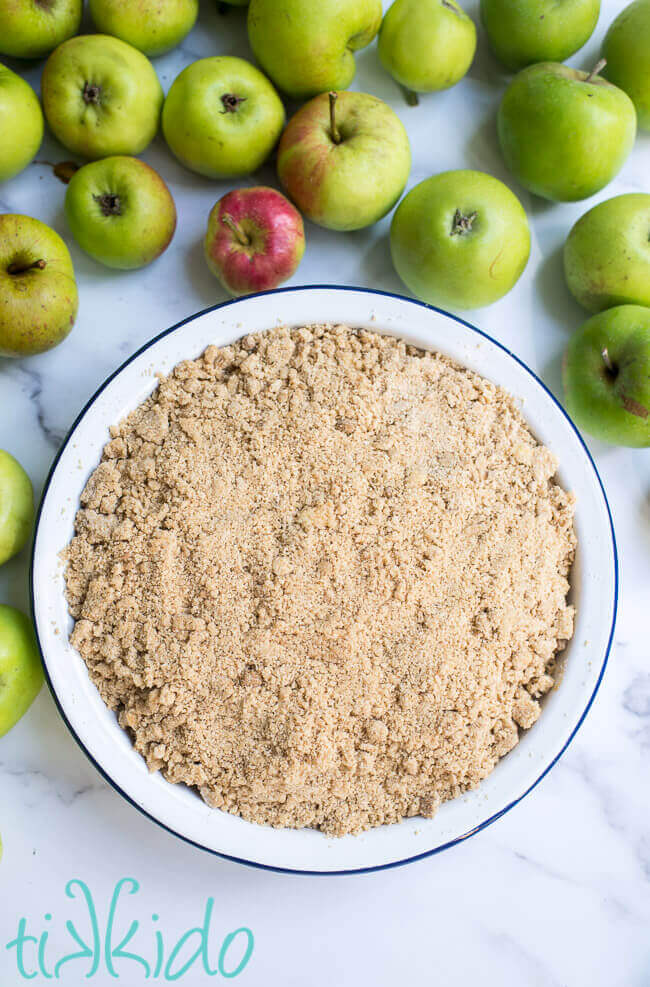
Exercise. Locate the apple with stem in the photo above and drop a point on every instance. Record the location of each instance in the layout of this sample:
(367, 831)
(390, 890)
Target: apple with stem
(344, 160)
(565, 134)
(255, 240)
(38, 292)
(606, 376)
(426, 45)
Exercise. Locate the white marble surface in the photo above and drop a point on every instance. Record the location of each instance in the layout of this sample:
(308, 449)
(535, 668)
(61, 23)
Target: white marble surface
(555, 893)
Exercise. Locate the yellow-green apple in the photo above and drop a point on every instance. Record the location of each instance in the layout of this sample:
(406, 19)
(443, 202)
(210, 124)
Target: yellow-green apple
(101, 96)
(344, 159)
(607, 376)
(149, 25)
(460, 239)
(33, 28)
(607, 253)
(222, 117)
(627, 51)
(120, 211)
(255, 240)
(427, 45)
(16, 506)
(38, 293)
(21, 124)
(522, 32)
(564, 133)
(307, 46)
(21, 671)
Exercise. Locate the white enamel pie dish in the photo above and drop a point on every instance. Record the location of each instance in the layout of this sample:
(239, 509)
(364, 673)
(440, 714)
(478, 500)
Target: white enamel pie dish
(179, 809)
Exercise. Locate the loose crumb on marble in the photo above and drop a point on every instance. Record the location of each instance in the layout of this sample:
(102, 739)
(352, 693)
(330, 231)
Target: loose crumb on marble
(321, 575)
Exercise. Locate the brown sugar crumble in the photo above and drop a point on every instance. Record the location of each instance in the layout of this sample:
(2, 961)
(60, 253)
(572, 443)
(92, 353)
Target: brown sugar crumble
(321, 575)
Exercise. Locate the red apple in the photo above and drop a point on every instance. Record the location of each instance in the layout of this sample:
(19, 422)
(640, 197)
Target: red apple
(255, 240)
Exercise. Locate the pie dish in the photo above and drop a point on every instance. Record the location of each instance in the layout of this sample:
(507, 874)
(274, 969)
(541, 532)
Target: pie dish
(594, 587)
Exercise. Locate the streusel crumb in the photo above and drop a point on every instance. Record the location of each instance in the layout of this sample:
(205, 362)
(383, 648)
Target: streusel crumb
(321, 575)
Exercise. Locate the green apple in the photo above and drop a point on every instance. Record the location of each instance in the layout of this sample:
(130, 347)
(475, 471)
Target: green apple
(460, 239)
(34, 28)
(222, 117)
(427, 45)
(607, 376)
(307, 47)
(149, 25)
(344, 159)
(38, 293)
(21, 124)
(522, 32)
(16, 507)
(120, 211)
(564, 134)
(101, 96)
(627, 51)
(607, 253)
(21, 671)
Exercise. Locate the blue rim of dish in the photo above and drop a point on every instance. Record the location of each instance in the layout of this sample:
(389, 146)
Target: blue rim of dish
(354, 870)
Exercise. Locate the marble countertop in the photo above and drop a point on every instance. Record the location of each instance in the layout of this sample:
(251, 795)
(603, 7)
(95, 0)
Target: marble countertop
(555, 893)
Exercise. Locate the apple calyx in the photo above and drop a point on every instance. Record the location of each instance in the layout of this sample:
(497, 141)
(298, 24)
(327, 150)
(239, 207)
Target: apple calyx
(91, 93)
(335, 134)
(109, 203)
(242, 237)
(462, 222)
(231, 102)
(19, 267)
(597, 69)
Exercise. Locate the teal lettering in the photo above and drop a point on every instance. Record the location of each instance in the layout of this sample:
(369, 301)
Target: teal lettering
(202, 949)
(19, 944)
(118, 952)
(160, 950)
(85, 952)
(228, 941)
(41, 952)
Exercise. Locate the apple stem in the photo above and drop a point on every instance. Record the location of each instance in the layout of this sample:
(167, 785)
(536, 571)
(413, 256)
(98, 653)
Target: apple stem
(18, 268)
(334, 130)
(609, 366)
(411, 97)
(462, 223)
(452, 6)
(597, 69)
(237, 230)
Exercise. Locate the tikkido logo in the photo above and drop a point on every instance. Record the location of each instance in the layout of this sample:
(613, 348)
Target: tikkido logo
(103, 948)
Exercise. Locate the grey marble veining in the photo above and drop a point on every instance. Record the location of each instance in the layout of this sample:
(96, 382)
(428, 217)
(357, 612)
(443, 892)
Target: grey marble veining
(555, 893)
